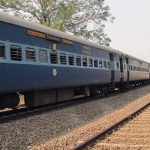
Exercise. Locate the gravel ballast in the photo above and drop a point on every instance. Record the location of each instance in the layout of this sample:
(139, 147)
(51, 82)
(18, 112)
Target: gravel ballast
(25, 133)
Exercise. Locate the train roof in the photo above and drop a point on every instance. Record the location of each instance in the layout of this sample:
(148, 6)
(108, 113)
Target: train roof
(35, 26)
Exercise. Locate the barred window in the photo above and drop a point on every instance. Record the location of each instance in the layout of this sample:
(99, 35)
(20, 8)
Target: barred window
(108, 64)
(117, 64)
(43, 56)
(30, 55)
(105, 64)
(2, 51)
(16, 53)
(95, 63)
(63, 59)
(54, 57)
(78, 60)
(90, 62)
(85, 61)
(100, 63)
(71, 59)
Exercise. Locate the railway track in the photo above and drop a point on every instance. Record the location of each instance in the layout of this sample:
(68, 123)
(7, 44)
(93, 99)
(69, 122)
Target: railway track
(130, 132)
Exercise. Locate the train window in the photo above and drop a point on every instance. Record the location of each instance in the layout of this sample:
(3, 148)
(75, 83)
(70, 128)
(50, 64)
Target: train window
(100, 63)
(95, 63)
(43, 56)
(63, 59)
(2, 51)
(105, 64)
(90, 62)
(78, 60)
(84, 61)
(108, 64)
(117, 64)
(30, 55)
(124, 66)
(54, 57)
(71, 59)
(16, 53)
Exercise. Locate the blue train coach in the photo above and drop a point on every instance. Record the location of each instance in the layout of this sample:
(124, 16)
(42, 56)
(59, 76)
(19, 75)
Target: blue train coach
(48, 66)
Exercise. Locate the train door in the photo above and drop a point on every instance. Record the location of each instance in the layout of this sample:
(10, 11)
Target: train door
(124, 69)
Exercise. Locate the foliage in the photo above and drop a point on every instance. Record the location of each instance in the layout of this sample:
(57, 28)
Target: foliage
(75, 16)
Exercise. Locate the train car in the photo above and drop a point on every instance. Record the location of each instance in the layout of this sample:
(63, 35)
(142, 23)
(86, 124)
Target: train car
(48, 66)
(134, 71)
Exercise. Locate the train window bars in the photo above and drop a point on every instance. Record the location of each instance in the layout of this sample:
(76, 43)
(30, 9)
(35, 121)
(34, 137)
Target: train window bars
(100, 63)
(43, 56)
(2, 51)
(90, 62)
(105, 64)
(95, 63)
(16, 53)
(108, 65)
(63, 59)
(54, 57)
(71, 59)
(30, 55)
(78, 60)
(117, 64)
(85, 61)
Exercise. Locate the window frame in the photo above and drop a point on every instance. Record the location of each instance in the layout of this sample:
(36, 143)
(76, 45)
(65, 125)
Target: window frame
(16, 58)
(91, 64)
(100, 60)
(4, 51)
(80, 58)
(46, 56)
(69, 60)
(29, 49)
(62, 60)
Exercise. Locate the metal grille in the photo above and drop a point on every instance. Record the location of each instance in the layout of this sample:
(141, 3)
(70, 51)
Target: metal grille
(71, 59)
(105, 64)
(54, 58)
(100, 63)
(90, 62)
(30, 55)
(16, 53)
(78, 61)
(84, 61)
(63, 59)
(95, 63)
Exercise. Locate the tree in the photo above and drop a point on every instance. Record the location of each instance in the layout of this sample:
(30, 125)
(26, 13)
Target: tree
(73, 16)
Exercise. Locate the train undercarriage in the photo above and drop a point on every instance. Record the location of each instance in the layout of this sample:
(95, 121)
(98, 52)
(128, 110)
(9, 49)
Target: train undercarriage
(44, 97)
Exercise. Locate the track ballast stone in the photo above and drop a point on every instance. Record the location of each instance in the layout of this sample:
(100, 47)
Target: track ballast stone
(25, 133)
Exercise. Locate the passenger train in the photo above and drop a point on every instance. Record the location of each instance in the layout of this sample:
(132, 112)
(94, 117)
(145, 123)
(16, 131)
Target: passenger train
(49, 66)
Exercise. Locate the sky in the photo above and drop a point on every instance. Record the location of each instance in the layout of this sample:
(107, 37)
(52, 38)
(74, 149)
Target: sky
(130, 31)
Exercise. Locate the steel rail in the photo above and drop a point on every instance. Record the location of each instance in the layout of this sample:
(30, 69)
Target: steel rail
(103, 132)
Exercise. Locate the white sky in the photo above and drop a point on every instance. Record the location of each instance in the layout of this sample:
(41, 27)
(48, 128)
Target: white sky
(130, 32)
